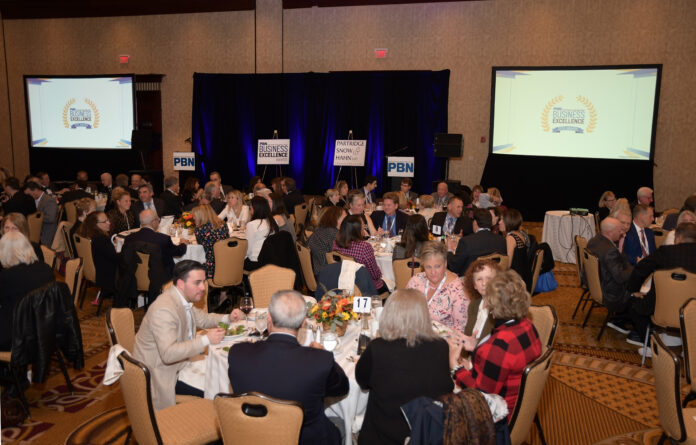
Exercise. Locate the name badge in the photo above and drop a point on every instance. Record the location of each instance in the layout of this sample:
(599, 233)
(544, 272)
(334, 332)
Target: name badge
(437, 230)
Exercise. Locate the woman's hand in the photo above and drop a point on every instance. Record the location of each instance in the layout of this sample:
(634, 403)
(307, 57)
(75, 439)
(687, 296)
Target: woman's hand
(455, 351)
(468, 343)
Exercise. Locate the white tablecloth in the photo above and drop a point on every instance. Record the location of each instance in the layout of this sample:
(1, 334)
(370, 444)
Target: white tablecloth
(560, 229)
(384, 259)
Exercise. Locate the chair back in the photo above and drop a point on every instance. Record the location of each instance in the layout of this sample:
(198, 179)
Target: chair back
(49, 255)
(255, 418)
(502, 260)
(229, 262)
(142, 273)
(337, 257)
(35, 221)
(135, 386)
(71, 211)
(65, 232)
(580, 246)
(120, 327)
(267, 280)
(404, 269)
(545, 321)
(83, 246)
(307, 269)
(531, 388)
(687, 319)
(673, 288)
(667, 387)
(73, 277)
(536, 268)
(594, 283)
(660, 237)
(300, 213)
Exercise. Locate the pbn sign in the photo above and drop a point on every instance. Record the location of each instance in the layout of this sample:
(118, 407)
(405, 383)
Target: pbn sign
(400, 166)
(184, 160)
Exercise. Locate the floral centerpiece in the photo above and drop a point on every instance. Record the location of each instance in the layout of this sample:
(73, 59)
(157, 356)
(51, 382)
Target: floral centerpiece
(186, 221)
(334, 311)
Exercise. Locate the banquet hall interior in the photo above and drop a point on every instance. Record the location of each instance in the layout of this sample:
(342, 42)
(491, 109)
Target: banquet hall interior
(213, 77)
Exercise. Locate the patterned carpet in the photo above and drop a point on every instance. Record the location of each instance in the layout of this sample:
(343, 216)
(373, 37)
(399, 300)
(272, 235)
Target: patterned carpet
(596, 393)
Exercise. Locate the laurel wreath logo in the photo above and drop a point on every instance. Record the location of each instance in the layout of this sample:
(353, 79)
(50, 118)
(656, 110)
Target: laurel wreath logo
(591, 110)
(545, 114)
(66, 110)
(95, 113)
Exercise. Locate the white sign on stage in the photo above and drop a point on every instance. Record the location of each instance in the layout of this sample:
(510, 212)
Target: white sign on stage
(273, 152)
(400, 166)
(350, 152)
(184, 160)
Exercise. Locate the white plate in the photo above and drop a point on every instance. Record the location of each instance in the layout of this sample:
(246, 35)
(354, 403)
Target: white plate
(235, 337)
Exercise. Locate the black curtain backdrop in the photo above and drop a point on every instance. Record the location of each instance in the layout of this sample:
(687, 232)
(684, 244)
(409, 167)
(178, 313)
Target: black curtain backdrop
(390, 109)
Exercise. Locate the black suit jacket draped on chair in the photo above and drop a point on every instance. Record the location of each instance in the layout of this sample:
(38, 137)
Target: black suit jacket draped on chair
(129, 260)
(279, 249)
(167, 248)
(483, 242)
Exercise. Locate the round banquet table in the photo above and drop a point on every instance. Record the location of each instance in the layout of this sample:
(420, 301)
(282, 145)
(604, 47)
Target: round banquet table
(560, 230)
(194, 251)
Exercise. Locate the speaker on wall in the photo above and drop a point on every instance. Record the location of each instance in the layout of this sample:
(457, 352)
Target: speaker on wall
(143, 140)
(447, 145)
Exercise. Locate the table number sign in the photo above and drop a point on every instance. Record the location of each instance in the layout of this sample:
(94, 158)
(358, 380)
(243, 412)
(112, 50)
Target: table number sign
(362, 305)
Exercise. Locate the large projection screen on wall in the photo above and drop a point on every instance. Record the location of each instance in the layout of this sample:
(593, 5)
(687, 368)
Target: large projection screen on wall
(607, 112)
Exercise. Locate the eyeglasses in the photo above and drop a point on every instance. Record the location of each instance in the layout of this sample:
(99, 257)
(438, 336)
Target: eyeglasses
(103, 222)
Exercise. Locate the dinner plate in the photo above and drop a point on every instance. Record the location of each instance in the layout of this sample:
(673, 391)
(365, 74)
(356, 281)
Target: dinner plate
(238, 336)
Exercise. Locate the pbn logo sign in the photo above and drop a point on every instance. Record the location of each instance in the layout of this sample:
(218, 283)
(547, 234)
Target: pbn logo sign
(400, 166)
(185, 161)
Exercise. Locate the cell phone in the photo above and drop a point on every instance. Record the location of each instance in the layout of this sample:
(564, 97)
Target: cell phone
(363, 341)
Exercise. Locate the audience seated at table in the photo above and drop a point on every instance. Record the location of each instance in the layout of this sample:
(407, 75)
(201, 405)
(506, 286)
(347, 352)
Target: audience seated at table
(518, 244)
(14, 201)
(173, 204)
(332, 198)
(496, 216)
(147, 201)
(192, 191)
(105, 186)
(349, 241)
(644, 195)
(217, 179)
(356, 206)
(47, 205)
(407, 361)
(482, 242)
(252, 184)
(443, 290)
(499, 360)
(686, 216)
(213, 196)
(261, 225)
(475, 195)
(640, 239)
(16, 222)
(453, 221)
(235, 211)
(280, 367)
(342, 187)
(442, 195)
(405, 189)
(479, 323)
(606, 204)
(426, 207)
(390, 221)
(414, 235)
(670, 222)
(209, 230)
(21, 273)
(368, 189)
(97, 228)
(121, 216)
(280, 214)
(84, 207)
(321, 241)
(77, 190)
(292, 196)
(344, 274)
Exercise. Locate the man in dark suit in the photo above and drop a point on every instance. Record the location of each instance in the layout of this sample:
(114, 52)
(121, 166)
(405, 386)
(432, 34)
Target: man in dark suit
(17, 202)
(453, 221)
(147, 201)
(281, 368)
(640, 239)
(681, 254)
(405, 188)
(173, 205)
(77, 191)
(149, 223)
(368, 189)
(292, 196)
(482, 242)
(217, 179)
(390, 220)
(671, 220)
(442, 195)
(47, 205)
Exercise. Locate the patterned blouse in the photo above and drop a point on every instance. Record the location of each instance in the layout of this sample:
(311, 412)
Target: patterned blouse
(364, 254)
(449, 306)
(119, 222)
(320, 243)
(207, 236)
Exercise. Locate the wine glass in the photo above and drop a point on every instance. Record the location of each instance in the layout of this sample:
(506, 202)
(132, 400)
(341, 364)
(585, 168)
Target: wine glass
(246, 304)
(329, 341)
(261, 322)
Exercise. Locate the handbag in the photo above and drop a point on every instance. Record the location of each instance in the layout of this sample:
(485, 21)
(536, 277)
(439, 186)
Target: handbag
(546, 282)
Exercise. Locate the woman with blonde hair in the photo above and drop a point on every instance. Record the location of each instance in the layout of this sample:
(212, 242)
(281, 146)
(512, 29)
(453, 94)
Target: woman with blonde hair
(209, 230)
(684, 216)
(121, 216)
(342, 187)
(621, 205)
(16, 222)
(235, 211)
(332, 198)
(606, 204)
(407, 361)
(426, 207)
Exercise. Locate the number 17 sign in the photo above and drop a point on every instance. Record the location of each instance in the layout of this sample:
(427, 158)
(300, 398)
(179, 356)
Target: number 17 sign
(362, 305)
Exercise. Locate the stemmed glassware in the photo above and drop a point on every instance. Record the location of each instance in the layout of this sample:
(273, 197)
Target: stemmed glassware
(246, 305)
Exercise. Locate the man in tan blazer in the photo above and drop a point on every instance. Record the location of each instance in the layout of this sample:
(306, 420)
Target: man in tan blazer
(167, 336)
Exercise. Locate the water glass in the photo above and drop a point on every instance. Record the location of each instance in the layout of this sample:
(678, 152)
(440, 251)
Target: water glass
(329, 341)
(261, 321)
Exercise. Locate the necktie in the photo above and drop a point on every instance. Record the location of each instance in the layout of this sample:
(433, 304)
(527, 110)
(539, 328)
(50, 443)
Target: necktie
(643, 242)
(391, 225)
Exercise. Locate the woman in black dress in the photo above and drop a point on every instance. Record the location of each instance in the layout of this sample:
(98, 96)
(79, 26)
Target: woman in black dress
(517, 242)
(96, 228)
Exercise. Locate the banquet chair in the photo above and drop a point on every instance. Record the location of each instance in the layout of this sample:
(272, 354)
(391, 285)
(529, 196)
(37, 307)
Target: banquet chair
(267, 280)
(404, 269)
(73, 277)
(591, 265)
(678, 424)
(142, 277)
(35, 221)
(502, 260)
(255, 418)
(307, 269)
(49, 255)
(64, 228)
(229, 263)
(545, 321)
(300, 212)
(660, 237)
(536, 268)
(337, 257)
(531, 388)
(687, 319)
(120, 327)
(580, 246)
(70, 211)
(673, 288)
(193, 422)
(83, 246)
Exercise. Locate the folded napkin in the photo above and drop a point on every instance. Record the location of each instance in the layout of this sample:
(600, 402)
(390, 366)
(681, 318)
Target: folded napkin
(113, 366)
(346, 280)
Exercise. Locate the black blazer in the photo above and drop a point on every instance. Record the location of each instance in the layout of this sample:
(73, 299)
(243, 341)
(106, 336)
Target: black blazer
(105, 262)
(20, 203)
(173, 204)
(396, 374)
(379, 215)
(470, 247)
(614, 271)
(139, 207)
(292, 199)
(281, 368)
(167, 247)
(73, 195)
(328, 279)
(463, 224)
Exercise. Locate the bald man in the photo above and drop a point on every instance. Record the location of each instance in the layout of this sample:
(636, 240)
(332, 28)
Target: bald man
(615, 270)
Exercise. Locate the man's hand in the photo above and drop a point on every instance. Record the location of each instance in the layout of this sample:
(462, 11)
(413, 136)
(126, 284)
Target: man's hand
(215, 335)
(452, 244)
(638, 294)
(183, 240)
(236, 315)
(381, 232)
(316, 345)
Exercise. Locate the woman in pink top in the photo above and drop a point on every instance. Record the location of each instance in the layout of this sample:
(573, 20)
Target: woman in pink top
(443, 289)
